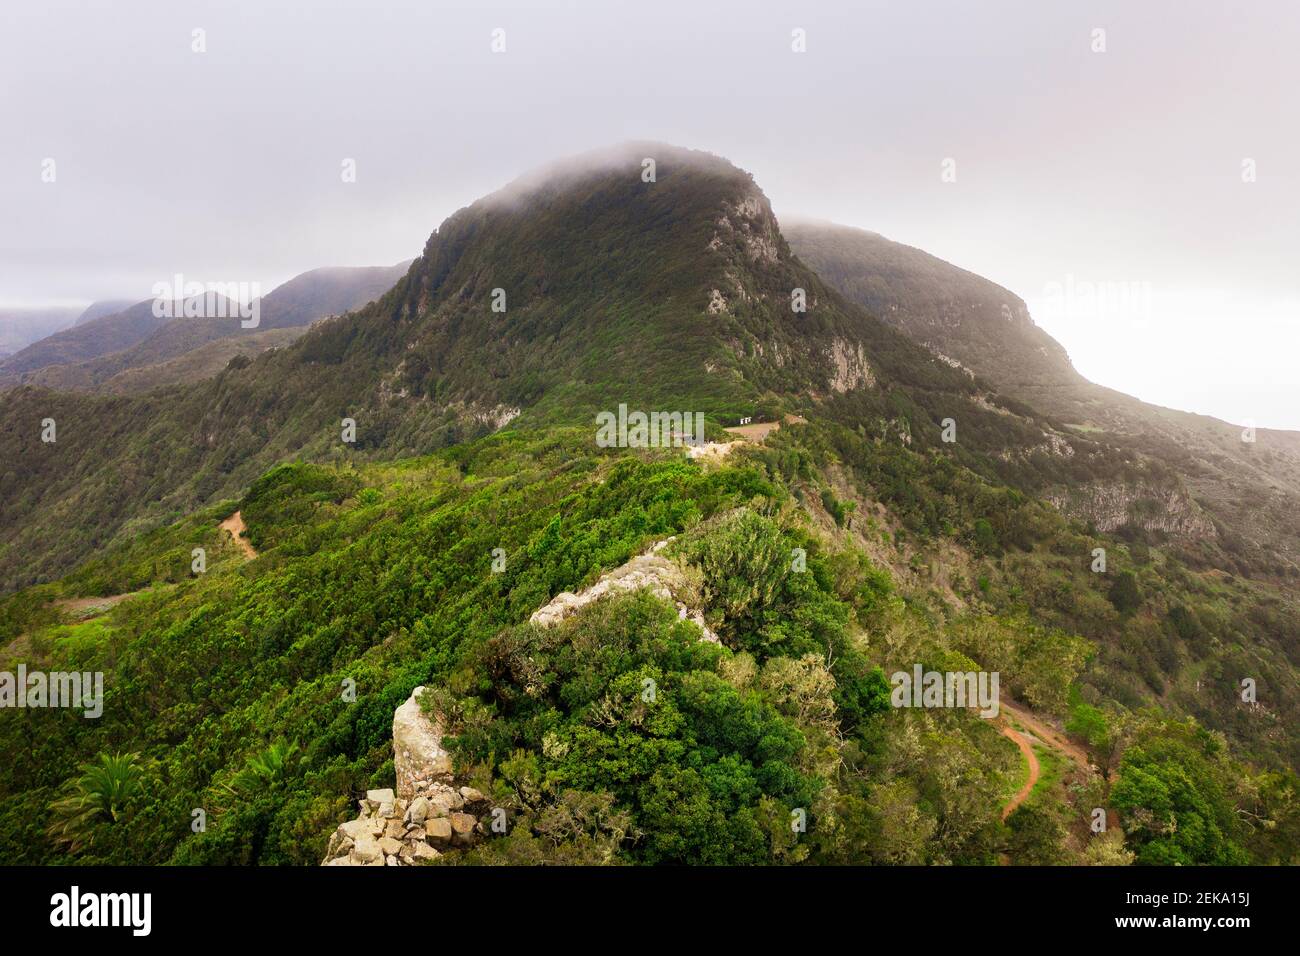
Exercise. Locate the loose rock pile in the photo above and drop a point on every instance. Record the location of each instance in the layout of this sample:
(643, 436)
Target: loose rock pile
(426, 816)
(391, 831)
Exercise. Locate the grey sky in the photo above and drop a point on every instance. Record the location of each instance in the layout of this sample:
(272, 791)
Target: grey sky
(1122, 167)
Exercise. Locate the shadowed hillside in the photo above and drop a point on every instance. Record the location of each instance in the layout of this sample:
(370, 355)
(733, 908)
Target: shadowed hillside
(1248, 490)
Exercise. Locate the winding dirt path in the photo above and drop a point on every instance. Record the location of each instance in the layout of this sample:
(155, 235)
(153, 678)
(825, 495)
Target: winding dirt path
(1049, 736)
(1027, 749)
(1046, 733)
(235, 525)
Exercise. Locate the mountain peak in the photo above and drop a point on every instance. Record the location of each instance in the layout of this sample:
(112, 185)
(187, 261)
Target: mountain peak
(639, 159)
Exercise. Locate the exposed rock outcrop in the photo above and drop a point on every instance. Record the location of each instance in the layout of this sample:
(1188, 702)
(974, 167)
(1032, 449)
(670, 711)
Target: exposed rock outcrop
(418, 755)
(426, 816)
(650, 570)
(712, 449)
(1111, 506)
(428, 813)
(851, 367)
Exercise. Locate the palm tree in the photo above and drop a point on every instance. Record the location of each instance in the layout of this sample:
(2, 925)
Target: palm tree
(264, 769)
(100, 793)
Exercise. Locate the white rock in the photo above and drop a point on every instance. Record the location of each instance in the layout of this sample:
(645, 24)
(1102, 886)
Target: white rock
(649, 570)
(362, 829)
(417, 747)
(418, 810)
(367, 852)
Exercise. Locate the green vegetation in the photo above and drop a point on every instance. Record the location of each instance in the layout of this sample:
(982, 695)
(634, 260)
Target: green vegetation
(102, 794)
(1173, 790)
(853, 543)
(617, 736)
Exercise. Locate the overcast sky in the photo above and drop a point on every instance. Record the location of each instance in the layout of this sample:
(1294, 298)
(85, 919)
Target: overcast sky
(1122, 169)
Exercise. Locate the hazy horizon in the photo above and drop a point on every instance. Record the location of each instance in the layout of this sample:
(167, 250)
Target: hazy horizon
(1119, 171)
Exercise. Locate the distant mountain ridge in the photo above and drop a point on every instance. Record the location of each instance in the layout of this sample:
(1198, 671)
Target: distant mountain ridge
(101, 348)
(98, 336)
(101, 308)
(19, 327)
(1251, 489)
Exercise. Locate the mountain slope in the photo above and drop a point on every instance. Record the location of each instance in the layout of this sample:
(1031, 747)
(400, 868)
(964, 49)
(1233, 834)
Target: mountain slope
(101, 308)
(1250, 491)
(673, 295)
(854, 542)
(383, 576)
(100, 336)
(949, 310)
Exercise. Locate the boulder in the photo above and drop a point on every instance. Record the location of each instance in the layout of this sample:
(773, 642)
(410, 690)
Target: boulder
(366, 827)
(443, 801)
(367, 852)
(439, 831)
(418, 810)
(462, 828)
(418, 755)
(339, 845)
(472, 796)
(425, 852)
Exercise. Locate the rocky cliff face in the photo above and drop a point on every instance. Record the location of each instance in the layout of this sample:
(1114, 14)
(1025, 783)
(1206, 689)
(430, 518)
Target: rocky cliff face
(1110, 507)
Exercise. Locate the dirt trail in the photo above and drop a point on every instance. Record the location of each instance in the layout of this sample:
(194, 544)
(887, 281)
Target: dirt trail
(1031, 757)
(1044, 732)
(744, 434)
(760, 430)
(77, 605)
(754, 432)
(235, 525)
